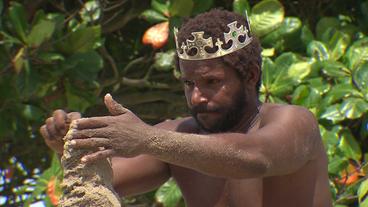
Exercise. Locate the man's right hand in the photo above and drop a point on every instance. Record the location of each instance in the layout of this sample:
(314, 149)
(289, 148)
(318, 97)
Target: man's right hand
(56, 127)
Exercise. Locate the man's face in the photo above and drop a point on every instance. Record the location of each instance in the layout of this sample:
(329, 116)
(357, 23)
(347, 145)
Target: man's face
(215, 94)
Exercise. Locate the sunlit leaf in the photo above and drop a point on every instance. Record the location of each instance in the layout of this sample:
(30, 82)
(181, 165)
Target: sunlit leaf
(168, 194)
(266, 16)
(360, 76)
(332, 113)
(349, 146)
(335, 69)
(19, 60)
(240, 6)
(318, 50)
(299, 70)
(289, 26)
(357, 54)
(363, 194)
(353, 108)
(336, 165)
(338, 44)
(306, 96)
(340, 91)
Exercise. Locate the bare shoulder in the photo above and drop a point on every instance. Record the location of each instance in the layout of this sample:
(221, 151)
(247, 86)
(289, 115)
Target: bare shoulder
(272, 113)
(184, 125)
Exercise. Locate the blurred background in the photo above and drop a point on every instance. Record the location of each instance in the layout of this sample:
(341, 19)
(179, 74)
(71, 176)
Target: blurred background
(68, 54)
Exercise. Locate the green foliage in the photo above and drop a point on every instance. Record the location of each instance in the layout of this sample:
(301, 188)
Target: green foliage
(68, 55)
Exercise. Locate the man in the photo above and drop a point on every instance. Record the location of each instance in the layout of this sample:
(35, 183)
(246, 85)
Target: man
(233, 151)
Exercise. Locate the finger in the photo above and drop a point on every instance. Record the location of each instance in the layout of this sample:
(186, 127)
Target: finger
(44, 132)
(97, 155)
(90, 143)
(86, 133)
(89, 123)
(51, 128)
(114, 107)
(60, 118)
(73, 116)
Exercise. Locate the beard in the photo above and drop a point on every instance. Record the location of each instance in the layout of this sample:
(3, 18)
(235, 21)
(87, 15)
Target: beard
(230, 116)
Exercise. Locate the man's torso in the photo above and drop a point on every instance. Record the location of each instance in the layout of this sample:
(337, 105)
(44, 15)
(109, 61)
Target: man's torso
(308, 186)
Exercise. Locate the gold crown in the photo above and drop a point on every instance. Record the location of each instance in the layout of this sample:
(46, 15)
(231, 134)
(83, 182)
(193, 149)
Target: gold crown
(199, 43)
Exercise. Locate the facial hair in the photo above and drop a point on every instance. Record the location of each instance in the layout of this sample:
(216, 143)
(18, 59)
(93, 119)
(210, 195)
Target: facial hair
(231, 115)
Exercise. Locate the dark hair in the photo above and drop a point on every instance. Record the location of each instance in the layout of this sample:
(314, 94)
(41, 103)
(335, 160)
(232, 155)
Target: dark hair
(214, 24)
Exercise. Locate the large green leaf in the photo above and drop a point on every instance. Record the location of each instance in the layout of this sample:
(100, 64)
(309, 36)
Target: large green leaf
(349, 146)
(363, 194)
(240, 6)
(340, 91)
(40, 32)
(289, 26)
(338, 44)
(332, 113)
(266, 16)
(268, 68)
(353, 108)
(318, 50)
(357, 53)
(200, 6)
(153, 16)
(83, 66)
(306, 35)
(335, 69)
(168, 194)
(360, 76)
(299, 70)
(281, 81)
(82, 40)
(337, 165)
(182, 8)
(161, 6)
(17, 16)
(325, 24)
(306, 96)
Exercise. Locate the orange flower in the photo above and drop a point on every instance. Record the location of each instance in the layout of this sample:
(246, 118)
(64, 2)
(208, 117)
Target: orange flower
(52, 191)
(350, 175)
(157, 35)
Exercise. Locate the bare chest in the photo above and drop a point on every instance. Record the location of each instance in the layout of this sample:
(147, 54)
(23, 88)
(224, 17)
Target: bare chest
(206, 191)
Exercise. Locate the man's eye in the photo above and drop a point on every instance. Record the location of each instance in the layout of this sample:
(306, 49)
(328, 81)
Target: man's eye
(188, 83)
(213, 81)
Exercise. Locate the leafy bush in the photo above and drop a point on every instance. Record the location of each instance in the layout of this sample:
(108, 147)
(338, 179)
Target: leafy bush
(67, 55)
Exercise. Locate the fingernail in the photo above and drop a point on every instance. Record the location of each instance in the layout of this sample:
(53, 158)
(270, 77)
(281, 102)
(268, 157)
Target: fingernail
(84, 159)
(73, 142)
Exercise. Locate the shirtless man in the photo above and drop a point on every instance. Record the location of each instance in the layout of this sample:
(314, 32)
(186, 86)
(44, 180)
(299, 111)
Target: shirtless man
(233, 151)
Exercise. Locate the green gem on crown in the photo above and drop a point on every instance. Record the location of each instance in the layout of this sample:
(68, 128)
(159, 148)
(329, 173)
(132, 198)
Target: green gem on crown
(234, 34)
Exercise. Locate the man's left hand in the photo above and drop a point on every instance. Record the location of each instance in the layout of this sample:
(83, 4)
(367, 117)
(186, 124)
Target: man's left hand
(122, 134)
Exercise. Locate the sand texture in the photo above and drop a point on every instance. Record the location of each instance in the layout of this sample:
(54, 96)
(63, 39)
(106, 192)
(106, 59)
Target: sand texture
(87, 185)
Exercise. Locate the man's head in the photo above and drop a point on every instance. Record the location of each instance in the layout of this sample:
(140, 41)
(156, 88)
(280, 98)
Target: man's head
(222, 86)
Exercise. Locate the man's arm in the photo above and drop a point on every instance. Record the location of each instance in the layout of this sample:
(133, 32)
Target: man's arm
(288, 138)
(131, 175)
(285, 143)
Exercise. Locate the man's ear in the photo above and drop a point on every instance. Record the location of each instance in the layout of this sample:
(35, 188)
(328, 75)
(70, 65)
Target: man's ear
(253, 75)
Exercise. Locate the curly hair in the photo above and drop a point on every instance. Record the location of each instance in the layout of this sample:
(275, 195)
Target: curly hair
(214, 24)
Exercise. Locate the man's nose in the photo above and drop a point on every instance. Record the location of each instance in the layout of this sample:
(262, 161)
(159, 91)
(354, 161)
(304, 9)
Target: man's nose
(198, 97)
